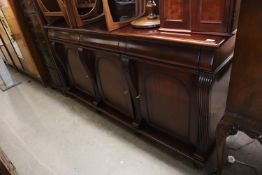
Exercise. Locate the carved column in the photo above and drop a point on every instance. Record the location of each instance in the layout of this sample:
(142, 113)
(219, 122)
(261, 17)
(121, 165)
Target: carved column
(205, 83)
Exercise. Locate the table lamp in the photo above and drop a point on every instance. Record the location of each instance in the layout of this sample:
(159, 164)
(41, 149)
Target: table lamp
(151, 20)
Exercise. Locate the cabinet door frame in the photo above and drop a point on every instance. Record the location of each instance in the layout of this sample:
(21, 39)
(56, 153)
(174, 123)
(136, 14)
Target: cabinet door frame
(216, 26)
(175, 24)
(100, 88)
(192, 120)
(88, 60)
(62, 57)
(58, 58)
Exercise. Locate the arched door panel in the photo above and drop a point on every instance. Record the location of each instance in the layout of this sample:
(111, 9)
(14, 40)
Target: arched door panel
(166, 100)
(112, 83)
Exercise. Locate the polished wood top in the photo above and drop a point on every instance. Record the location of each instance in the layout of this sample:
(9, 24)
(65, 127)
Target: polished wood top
(155, 34)
(151, 34)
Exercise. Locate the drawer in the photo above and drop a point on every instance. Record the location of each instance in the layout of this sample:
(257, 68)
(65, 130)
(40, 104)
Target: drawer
(170, 53)
(100, 41)
(73, 37)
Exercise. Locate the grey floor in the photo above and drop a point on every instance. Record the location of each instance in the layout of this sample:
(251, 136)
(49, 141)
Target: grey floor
(44, 132)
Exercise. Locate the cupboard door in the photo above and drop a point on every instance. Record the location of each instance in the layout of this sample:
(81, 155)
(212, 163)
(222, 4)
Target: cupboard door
(211, 15)
(80, 76)
(112, 82)
(175, 14)
(76, 64)
(166, 99)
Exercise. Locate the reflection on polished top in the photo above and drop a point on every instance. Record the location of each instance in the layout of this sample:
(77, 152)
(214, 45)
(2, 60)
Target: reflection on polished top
(153, 34)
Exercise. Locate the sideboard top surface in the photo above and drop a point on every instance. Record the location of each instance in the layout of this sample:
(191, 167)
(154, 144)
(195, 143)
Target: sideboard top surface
(150, 34)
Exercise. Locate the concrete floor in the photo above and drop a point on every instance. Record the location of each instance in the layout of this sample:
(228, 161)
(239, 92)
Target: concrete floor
(46, 133)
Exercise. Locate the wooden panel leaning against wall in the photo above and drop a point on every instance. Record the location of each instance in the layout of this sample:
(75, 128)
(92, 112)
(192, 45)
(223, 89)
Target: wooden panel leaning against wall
(18, 46)
(26, 58)
(33, 24)
(8, 50)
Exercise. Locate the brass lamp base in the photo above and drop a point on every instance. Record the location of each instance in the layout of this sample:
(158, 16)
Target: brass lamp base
(145, 23)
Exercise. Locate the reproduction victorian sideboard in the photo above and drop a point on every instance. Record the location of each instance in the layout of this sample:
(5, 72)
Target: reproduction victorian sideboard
(168, 86)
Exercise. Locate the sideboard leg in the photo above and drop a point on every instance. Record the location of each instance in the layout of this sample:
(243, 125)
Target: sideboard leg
(220, 148)
(223, 131)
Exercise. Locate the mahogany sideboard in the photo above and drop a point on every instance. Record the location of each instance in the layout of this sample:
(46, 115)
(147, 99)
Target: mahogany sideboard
(167, 86)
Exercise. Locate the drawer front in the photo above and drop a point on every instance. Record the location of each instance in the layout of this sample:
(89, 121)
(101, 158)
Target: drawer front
(72, 37)
(183, 55)
(99, 41)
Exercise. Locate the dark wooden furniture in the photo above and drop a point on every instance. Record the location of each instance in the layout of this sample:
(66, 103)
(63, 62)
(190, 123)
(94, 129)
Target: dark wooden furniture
(164, 86)
(78, 13)
(244, 112)
(6, 167)
(55, 9)
(200, 16)
(86, 11)
(169, 87)
(112, 23)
